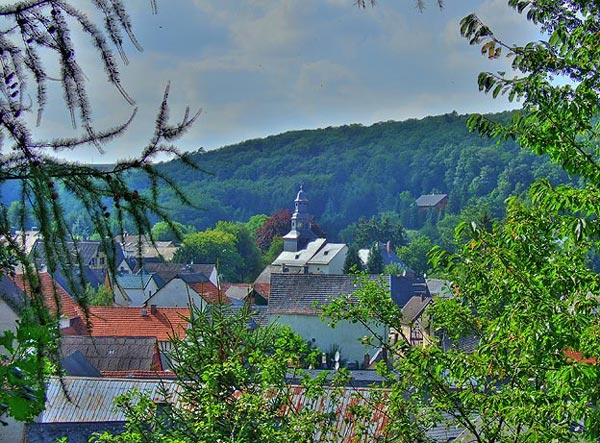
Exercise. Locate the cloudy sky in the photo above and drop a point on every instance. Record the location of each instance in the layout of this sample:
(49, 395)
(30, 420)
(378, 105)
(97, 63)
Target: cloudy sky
(262, 67)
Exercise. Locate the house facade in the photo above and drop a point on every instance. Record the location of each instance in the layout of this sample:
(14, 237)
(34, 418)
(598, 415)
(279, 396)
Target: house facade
(186, 291)
(135, 289)
(295, 300)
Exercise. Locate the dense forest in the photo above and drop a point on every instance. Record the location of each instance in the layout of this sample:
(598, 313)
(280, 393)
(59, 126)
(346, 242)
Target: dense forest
(351, 172)
(355, 171)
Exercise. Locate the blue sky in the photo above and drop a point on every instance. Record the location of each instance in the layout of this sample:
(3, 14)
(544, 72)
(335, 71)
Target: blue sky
(262, 67)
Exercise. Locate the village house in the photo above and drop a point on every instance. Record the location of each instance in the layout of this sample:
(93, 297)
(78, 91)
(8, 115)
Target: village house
(186, 290)
(432, 201)
(142, 251)
(135, 289)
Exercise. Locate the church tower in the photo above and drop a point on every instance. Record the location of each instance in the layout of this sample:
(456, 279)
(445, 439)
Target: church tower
(301, 232)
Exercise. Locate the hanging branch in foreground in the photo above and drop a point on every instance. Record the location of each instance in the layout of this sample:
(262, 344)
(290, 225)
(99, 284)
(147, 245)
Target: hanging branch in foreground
(31, 34)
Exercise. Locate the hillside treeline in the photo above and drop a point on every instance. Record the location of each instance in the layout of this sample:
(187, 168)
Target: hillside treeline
(348, 172)
(356, 171)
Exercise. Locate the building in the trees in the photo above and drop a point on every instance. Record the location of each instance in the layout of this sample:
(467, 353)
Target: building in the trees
(304, 252)
(432, 201)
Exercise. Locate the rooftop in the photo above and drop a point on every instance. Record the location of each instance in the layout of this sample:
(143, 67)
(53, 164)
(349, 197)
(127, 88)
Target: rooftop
(114, 353)
(430, 200)
(161, 323)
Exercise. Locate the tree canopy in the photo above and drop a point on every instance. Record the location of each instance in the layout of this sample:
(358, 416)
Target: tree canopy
(517, 355)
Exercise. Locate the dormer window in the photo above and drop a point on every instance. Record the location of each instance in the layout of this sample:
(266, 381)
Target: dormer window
(64, 322)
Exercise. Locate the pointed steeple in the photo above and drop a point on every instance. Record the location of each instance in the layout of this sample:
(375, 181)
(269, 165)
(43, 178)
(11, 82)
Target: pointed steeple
(301, 232)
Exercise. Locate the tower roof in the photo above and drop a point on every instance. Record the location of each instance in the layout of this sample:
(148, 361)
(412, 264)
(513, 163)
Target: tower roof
(301, 197)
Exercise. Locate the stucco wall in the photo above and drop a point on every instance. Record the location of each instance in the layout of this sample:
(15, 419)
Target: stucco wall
(345, 334)
(13, 432)
(175, 294)
(8, 317)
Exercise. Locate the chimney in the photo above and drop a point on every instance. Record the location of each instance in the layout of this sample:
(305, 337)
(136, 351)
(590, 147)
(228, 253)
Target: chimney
(153, 309)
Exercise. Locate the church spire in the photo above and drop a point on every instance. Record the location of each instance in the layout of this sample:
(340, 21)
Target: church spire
(301, 232)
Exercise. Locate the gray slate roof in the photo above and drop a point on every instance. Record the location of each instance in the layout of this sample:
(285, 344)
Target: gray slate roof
(403, 288)
(87, 250)
(414, 307)
(439, 287)
(112, 353)
(298, 293)
(430, 200)
(168, 271)
(77, 365)
(134, 281)
(11, 294)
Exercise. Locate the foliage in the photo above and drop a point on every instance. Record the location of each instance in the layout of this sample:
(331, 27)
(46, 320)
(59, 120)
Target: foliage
(386, 227)
(103, 296)
(394, 269)
(525, 298)
(358, 171)
(44, 185)
(255, 223)
(27, 359)
(414, 255)
(273, 252)
(375, 260)
(170, 231)
(352, 262)
(244, 396)
(212, 246)
(246, 248)
(276, 225)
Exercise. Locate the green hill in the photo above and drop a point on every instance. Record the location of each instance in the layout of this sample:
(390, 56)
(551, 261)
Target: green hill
(353, 171)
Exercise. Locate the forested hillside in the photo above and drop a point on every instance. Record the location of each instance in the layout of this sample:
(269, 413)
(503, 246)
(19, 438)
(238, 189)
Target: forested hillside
(348, 172)
(353, 171)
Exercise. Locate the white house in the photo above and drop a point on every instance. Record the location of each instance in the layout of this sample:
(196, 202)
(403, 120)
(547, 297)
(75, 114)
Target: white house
(185, 290)
(135, 289)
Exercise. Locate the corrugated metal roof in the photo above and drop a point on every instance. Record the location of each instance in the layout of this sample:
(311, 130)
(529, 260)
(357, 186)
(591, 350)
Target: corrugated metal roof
(92, 399)
(341, 402)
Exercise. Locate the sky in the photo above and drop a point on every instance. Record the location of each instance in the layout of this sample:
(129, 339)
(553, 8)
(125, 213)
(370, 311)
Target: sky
(262, 67)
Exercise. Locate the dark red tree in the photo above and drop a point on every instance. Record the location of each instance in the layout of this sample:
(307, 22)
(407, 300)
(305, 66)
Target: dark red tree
(277, 225)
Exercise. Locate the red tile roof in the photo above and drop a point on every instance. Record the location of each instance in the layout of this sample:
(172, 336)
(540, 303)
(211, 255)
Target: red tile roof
(577, 356)
(264, 289)
(131, 321)
(209, 292)
(56, 298)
